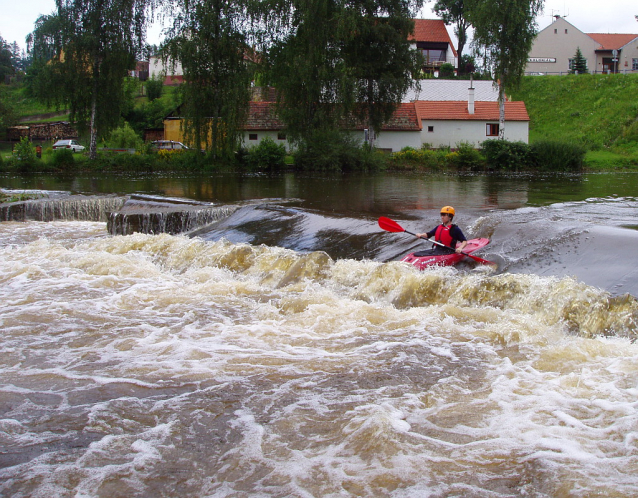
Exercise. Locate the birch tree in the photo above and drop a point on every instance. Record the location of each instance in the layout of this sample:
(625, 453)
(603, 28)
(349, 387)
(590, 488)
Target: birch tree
(93, 44)
(504, 31)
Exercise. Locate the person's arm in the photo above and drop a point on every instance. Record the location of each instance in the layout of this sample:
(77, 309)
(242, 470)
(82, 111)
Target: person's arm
(460, 237)
(426, 235)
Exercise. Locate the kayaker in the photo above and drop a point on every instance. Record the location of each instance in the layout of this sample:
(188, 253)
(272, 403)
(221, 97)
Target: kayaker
(446, 233)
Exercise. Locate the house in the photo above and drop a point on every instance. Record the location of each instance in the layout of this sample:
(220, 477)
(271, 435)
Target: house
(555, 46)
(433, 41)
(437, 123)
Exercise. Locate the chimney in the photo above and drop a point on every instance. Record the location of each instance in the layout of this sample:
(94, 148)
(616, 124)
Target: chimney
(470, 101)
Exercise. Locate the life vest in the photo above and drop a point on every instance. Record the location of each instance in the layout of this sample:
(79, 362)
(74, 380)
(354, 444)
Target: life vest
(443, 236)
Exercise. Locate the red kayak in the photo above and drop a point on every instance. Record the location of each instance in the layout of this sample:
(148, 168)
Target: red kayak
(422, 262)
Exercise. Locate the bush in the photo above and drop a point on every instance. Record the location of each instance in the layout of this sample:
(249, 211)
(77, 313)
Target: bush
(558, 156)
(268, 155)
(337, 151)
(468, 157)
(446, 70)
(124, 137)
(154, 88)
(507, 156)
(62, 158)
(25, 155)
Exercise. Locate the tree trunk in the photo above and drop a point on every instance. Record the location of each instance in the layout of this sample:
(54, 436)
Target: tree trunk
(501, 111)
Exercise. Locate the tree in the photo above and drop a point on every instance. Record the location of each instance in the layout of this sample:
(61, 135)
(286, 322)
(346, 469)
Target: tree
(504, 31)
(579, 63)
(336, 61)
(455, 12)
(6, 62)
(209, 39)
(91, 45)
(379, 64)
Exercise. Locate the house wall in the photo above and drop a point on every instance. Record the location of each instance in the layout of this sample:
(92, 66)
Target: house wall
(555, 45)
(158, 70)
(261, 135)
(448, 133)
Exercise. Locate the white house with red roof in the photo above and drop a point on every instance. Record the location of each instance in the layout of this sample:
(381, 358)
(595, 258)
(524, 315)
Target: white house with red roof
(555, 46)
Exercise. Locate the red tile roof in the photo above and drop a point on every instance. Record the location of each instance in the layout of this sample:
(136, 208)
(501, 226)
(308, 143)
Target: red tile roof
(431, 30)
(612, 41)
(457, 110)
(262, 117)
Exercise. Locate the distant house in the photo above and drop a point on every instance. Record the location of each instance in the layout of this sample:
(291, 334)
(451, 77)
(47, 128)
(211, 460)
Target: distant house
(433, 41)
(555, 46)
(437, 123)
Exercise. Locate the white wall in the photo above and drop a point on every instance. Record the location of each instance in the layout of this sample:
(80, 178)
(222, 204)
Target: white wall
(157, 69)
(448, 133)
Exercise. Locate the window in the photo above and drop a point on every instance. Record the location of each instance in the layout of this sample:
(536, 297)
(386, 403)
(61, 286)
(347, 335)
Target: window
(491, 130)
(555, 31)
(432, 56)
(565, 30)
(430, 128)
(281, 136)
(252, 136)
(634, 64)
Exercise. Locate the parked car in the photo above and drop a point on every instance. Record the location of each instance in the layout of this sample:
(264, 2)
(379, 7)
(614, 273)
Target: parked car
(168, 145)
(68, 144)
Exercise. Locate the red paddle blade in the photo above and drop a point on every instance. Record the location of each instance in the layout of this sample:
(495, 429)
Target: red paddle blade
(389, 225)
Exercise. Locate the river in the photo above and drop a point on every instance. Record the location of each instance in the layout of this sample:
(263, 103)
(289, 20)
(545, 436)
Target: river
(283, 351)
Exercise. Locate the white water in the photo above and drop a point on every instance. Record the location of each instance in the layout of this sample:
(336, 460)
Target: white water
(167, 366)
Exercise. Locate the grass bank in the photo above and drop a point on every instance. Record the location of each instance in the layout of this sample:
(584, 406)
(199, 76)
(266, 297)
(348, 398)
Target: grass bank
(599, 112)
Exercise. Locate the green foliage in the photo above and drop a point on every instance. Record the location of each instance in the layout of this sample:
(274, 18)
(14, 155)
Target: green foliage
(579, 63)
(455, 12)
(124, 137)
(336, 151)
(502, 155)
(210, 40)
(62, 159)
(446, 71)
(268, 155)
(503, 32)
(154, 88)
(332, 65)
(93, 44)
(25, 155)
(557, 156)
(467, 157)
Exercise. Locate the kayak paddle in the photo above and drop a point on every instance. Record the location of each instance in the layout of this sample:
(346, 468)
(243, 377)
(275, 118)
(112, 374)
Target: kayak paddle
(392, 226)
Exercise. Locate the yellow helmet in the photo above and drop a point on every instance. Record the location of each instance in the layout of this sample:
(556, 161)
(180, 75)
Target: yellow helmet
(447, 210)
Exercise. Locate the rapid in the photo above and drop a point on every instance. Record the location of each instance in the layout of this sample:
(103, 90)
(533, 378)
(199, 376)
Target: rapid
(283, 351)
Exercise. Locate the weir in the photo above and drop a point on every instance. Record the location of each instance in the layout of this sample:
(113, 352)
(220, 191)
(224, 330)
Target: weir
(152, 215)
(124, 215)
(71, 208)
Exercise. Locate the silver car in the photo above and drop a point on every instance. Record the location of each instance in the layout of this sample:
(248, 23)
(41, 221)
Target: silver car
(68, 144)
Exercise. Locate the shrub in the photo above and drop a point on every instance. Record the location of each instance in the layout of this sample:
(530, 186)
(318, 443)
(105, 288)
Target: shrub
(124, 137)
(337, 151)
(468, 157)
(154, 88)
(267, 155)
(558, 156)
(507, 156)
(446, 70)
(25, 155)
(62, 158)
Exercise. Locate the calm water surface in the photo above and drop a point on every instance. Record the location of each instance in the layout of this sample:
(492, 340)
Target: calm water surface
(283, 351)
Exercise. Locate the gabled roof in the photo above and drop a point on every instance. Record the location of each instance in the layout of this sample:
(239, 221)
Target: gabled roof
(483, 111)
(612, 41)
(431, 30)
